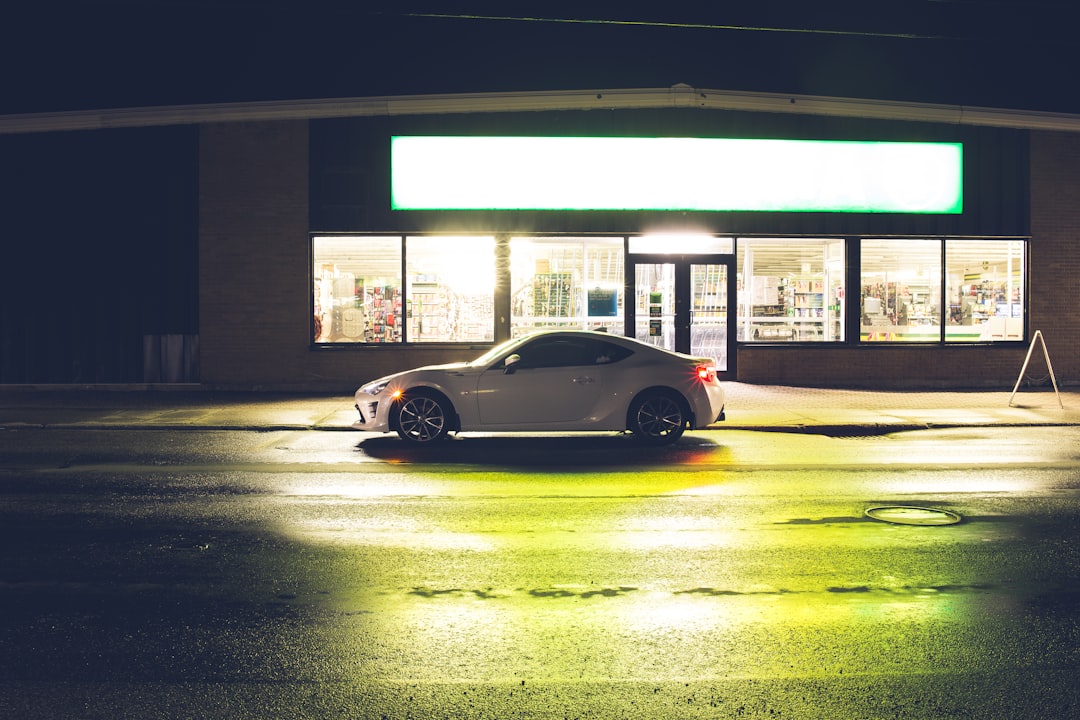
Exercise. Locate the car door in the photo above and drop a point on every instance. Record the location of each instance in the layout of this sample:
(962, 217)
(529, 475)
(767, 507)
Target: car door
(556, 380)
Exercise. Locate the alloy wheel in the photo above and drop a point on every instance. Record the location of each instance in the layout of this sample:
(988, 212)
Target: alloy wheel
(421, 419)
(659, 418)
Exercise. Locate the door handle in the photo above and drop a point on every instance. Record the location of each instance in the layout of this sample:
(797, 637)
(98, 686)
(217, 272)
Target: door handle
(583, 379)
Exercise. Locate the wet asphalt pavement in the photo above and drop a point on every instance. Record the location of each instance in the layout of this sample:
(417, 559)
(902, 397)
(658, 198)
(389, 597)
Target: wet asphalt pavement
(197, 558)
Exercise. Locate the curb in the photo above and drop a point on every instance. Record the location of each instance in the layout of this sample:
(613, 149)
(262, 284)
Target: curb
(836, 430)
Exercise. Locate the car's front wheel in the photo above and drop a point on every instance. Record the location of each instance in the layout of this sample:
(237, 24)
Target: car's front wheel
(658, 417)
(422, 418)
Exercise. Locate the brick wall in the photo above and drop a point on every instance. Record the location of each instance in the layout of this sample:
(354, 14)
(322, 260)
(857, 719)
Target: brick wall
(1055, 248)
(253, 251)
(896, 367)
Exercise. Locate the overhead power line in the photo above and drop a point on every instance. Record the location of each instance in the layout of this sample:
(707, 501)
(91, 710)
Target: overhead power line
(665, 24)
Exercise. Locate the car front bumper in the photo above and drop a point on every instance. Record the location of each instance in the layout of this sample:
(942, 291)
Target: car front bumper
(368, 406)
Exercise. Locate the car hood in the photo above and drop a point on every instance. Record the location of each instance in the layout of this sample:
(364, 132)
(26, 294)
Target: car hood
(447, 367)
(382, 382)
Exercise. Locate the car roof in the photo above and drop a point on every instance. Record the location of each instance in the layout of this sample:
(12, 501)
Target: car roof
(576, 333)
(597, 335)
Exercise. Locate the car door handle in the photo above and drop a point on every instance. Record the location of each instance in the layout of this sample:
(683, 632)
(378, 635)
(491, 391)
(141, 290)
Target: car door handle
(583, 379)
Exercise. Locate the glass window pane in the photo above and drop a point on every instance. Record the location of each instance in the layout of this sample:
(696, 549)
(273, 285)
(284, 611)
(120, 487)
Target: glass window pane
(566, 282)
(450, 295)
(654, 302)
(791, 290)
(900, 291)
(357, 289)
(681, 244)
(709, 312)
(985, 290)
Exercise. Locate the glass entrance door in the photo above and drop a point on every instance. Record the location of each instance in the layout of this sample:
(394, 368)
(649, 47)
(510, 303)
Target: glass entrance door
(681, 303)
(709, 312)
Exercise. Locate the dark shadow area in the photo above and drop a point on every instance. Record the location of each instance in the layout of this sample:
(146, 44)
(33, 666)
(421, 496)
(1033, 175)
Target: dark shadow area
(551, 451)
(105, 597)
(848, 431)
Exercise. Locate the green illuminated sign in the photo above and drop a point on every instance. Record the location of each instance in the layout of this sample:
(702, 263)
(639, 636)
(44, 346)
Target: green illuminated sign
(710, 174)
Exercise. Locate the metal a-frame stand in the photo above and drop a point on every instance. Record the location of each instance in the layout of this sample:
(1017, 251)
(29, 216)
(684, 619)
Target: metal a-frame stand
(1037, 339)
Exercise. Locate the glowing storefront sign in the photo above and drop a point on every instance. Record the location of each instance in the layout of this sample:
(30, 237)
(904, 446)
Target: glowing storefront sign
(709, 174)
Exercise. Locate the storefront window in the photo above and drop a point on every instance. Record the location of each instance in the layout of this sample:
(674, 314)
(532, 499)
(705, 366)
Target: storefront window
(900, 291)
(450, 295)
(791, 290)
(429, 289)
(985, 290)
(680, 244)
(357, 289)
(566, 282)
(359, 298)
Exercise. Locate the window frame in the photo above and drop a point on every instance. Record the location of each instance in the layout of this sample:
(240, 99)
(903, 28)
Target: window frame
(1006, 327)
(944, 288)
(811, 295)
(402, 309)
(320, 274)
(882, 322)
(1019, 288)
(582, 292)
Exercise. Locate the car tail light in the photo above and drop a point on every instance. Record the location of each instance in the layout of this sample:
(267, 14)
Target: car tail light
(706, 373)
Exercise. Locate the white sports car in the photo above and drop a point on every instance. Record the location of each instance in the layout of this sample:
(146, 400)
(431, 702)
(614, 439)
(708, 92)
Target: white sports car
(550, 380)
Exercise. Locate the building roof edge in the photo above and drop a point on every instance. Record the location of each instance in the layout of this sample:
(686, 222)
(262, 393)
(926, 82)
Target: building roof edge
(677, 96)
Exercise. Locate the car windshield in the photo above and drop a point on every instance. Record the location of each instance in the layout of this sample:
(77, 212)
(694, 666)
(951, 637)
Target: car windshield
(496, 351)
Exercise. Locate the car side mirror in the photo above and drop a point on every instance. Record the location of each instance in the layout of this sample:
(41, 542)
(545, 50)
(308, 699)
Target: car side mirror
(510, 362)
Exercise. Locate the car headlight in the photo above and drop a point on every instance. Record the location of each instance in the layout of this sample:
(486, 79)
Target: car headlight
(376, 387)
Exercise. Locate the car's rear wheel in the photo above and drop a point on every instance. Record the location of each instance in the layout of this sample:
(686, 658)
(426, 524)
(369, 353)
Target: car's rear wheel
(422, 418)
(658, 417)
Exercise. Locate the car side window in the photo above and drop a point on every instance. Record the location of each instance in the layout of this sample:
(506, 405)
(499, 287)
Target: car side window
(610, 352)
(570, 352)
(555, 352)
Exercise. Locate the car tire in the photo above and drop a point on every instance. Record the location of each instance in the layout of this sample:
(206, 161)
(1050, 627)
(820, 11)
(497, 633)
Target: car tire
(658, 417)
(422, 418)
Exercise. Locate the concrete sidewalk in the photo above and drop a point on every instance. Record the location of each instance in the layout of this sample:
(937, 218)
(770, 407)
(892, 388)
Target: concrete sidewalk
(774, 407)
(752, 407)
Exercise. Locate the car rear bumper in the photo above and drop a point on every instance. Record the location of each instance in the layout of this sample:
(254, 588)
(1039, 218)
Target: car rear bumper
(709, 408)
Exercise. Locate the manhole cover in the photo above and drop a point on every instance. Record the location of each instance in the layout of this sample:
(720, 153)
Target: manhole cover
(910, 515)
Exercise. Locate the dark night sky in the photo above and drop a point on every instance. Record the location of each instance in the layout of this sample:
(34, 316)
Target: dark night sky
(96, 54)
